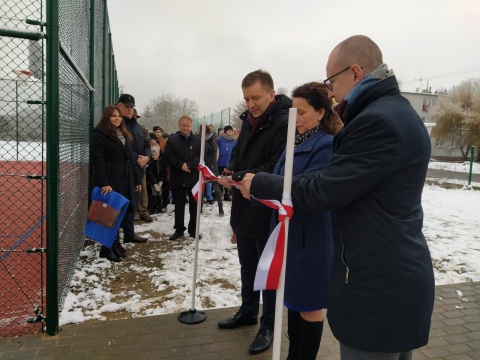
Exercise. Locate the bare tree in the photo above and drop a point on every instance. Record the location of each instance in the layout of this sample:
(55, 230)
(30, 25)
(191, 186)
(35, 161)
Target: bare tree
(239, 108)
(166, 109)
(458, 116)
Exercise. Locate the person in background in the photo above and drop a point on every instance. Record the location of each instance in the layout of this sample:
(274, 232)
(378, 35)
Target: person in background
(140, 147)
(310, 243)
(211, 163)
(155, 179)
(154, 142)
(182, 153)
(226, 142)
(115, 169)
(219, 132)
(382, 285)
(261, 143)
(162, 137)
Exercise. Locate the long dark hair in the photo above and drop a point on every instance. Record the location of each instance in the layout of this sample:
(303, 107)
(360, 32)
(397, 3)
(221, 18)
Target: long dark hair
(316, 94)
(106, 126)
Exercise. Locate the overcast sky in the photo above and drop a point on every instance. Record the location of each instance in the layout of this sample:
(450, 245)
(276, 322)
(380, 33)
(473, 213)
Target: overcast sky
(202, 49)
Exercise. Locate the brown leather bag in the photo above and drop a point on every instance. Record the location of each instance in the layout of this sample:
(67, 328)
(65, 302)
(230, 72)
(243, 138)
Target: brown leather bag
(102, 214)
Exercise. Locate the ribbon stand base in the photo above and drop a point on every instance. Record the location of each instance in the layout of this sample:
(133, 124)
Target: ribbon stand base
(192, 316)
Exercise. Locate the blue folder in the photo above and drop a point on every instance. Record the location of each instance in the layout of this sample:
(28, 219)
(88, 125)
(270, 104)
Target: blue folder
(104, 235)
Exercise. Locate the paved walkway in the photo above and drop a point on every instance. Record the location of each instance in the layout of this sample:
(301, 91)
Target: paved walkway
(455, 335)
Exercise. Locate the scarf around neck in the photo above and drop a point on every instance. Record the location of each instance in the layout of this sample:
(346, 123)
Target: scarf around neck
(380, 73)
(227, 137)
(257, 122)
(300, 138)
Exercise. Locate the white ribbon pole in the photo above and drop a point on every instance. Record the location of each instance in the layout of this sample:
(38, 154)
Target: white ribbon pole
(199, 209)
(287, 188)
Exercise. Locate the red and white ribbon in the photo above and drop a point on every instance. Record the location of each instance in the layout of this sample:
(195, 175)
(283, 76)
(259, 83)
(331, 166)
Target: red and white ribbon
(208, 175)
(271, 260)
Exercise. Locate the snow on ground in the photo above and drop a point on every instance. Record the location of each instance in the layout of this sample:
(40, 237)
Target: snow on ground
(452, 220)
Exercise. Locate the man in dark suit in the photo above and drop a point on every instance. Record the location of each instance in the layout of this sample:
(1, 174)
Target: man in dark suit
(259, 146)
(182, 153)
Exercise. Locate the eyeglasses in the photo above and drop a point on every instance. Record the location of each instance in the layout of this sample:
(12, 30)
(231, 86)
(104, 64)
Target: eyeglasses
(327, 80)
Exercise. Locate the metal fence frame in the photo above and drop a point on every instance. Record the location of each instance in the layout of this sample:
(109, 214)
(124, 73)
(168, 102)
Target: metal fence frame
(71, 74)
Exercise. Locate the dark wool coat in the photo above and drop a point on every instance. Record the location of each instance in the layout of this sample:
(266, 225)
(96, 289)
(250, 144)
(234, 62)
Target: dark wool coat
(140, 145)
(310, 243)
(382, 286)
(180, 150)
(155, 171)
(210, 157)
(255, 153)
(114, 164)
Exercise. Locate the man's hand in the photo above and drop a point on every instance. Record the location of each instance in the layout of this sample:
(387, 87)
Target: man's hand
(247, 183)
(185, 168)
(225, 183)
(138, 188)
(142, 161)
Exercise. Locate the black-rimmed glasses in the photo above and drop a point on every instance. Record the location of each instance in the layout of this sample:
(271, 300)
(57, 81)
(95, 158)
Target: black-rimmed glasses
(327, 80)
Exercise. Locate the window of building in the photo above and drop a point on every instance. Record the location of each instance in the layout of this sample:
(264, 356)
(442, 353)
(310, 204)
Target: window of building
(439, 143)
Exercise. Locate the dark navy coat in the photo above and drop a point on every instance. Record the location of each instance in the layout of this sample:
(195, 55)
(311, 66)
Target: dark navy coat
(382, 286)
(310, 243)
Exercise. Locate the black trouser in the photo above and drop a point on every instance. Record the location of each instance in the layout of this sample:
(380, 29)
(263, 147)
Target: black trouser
(179, 196)
(249, 251)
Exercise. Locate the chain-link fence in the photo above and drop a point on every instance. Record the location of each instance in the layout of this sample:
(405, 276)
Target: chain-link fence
(218, 120)
(57, 73)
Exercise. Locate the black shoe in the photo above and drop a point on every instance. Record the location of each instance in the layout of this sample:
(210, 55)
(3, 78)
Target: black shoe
(193, 236)
(210, 202)
(119, 249)
(237, 320)
(262, 342)
(146, 218)
(135, 239)
(221, 213)
(109, 254)
(176, 235)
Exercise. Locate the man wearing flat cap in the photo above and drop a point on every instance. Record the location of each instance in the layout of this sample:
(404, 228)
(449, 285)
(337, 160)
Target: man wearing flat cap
(140, 148)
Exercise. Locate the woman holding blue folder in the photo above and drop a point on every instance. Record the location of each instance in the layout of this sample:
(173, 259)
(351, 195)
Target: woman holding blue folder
(115, 169)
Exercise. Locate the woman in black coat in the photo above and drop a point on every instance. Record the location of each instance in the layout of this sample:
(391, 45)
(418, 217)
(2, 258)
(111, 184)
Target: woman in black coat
(114, 169)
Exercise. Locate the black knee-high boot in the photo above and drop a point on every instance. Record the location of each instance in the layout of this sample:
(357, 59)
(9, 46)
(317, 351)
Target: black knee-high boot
(311, 335)
(293, 334)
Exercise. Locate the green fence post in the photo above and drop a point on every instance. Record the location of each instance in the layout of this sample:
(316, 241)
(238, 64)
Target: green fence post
(92, 83)
(228, 116)
(472, 151)
(104, 53)
(53, 160)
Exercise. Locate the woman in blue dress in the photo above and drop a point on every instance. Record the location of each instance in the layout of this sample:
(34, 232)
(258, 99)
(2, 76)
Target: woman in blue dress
(310, 244)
